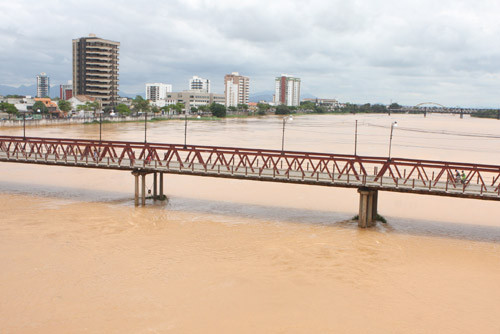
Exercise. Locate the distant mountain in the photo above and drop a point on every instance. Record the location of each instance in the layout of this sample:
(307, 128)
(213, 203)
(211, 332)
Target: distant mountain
(26, 90)
(262, 96)
(21, 90)
(132, 96)
(307, 96)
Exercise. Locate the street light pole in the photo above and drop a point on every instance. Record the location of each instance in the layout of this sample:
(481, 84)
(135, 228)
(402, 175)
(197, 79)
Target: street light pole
(100, 126)
(356, 138)
(145, 126)
(24, 126)
(393, 124)
(185, 128)
(285, 119)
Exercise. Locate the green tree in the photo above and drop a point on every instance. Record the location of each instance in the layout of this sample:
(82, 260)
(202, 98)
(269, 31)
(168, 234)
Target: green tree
(307, 106)
(282, 110)
(263, 108)
(351, 108)
(155, 110)
(394, 105)
(178, 107)
(320, 109)
(84, 107)
(94, 106)
(122, 109)
(64, 105)
(218, 110)
(232, 108)
(8, 108)
(39, 105)
(379, 108)
(140, 105)
(242, 107)
(194, 110)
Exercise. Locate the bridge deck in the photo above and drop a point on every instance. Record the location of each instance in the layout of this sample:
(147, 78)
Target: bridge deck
(400, 175)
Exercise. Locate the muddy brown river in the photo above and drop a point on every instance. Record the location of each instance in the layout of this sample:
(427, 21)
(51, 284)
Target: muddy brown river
(233, 256)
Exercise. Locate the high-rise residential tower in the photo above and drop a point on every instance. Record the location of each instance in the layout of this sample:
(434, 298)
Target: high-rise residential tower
(287, 90)
(95, 69)
(237, 89)
(42, 85)
(199, 84)
(157, 91)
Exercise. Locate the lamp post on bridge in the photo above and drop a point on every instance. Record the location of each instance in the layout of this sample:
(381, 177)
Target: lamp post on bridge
(185, 128)
(24, 125)
(100, 126)
(145, 126)
(288, 118)
(356, 138)
(393, 125)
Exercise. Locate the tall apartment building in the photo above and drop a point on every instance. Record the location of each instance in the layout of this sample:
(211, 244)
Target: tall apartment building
(66, 91)
(157, 91)
(95, 69)
(237, 89)
(42, 85)
(199, 84)
(287, 90)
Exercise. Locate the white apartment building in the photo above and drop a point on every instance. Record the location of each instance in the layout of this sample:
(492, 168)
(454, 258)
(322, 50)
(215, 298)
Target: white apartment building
(287, 90)
(42, 85)
(237, 89)
(157, 91)
(193, 99)
(199, 84)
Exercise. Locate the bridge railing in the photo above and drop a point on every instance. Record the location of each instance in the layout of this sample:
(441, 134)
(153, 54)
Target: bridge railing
(378, 172)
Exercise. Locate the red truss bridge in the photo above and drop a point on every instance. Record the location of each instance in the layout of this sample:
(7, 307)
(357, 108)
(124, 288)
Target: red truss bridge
(367, 174)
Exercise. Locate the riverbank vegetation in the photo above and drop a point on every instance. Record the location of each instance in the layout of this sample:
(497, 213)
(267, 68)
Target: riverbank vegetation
(491, 113)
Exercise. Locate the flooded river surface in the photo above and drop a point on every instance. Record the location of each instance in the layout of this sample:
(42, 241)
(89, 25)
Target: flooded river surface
(233, 256)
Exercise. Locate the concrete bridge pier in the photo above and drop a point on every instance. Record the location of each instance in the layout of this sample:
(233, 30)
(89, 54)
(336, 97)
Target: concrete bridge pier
(158, 186)
(368, 201)
(140, 182)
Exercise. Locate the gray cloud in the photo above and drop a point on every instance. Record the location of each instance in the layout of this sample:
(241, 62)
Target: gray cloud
(408, 51)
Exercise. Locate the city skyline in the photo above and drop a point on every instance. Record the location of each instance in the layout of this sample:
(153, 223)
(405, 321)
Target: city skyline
(375, 52)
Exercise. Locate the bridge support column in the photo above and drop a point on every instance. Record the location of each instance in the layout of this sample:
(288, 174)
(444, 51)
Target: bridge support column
(155, 186)
(143, 189)
(374, 205)
(136, 197)
(162, 196)
(367, 207)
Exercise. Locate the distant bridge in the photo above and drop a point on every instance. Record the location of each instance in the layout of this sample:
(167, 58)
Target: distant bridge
(365, 173)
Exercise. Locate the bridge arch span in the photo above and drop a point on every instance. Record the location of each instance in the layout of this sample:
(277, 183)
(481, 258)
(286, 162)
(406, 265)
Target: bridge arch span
(429, 103)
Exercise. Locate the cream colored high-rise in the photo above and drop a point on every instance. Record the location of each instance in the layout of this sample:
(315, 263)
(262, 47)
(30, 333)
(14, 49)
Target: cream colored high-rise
(95, 69)
(237, 89)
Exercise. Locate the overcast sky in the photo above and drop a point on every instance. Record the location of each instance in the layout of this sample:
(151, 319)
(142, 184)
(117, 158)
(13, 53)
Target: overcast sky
(445, 51)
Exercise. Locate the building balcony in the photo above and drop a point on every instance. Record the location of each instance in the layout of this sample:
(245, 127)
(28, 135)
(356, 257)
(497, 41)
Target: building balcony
(99, 88)
(99, 47)
(98, 64)
(99, 74)
(106, 52)
(95, 91)
(98, 69)
(99, 58)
